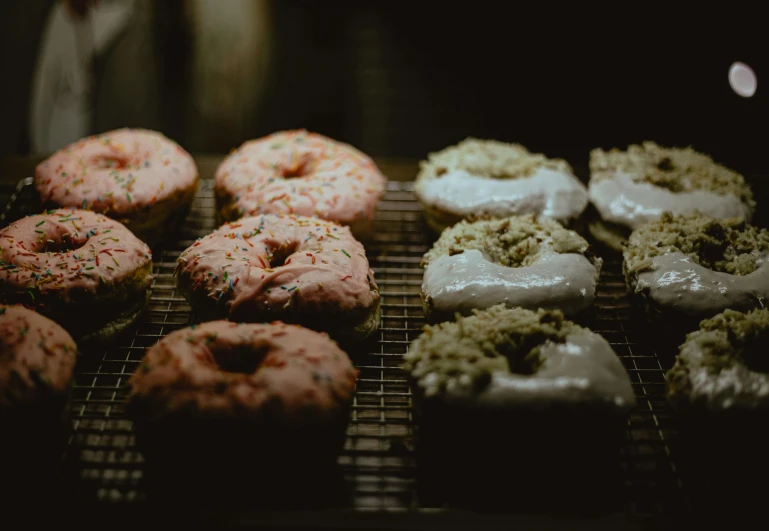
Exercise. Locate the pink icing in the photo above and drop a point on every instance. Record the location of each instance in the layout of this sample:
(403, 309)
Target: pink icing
(285, 364)
(65, 250)
(39, 353)
(116, 173)
(324, 267)
(296, 172)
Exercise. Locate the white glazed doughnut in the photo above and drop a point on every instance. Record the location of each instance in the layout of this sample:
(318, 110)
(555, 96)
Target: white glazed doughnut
(694, 266)
(487, 177)
(634, 187)
(526, 394)
(723, 365)
(507, 358)
(516, 261)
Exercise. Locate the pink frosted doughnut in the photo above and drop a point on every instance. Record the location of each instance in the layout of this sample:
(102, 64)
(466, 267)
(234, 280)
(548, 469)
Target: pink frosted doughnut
(289, 268)
(135, 176)
(37, 358)
(221, 395)
(236, 370)
(296, 172)
(83, 270)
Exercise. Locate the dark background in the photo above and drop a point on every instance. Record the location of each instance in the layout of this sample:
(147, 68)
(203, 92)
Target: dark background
(559, 81)
(400, 79)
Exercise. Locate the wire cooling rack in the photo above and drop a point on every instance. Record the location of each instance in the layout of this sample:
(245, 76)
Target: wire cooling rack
(101, 466)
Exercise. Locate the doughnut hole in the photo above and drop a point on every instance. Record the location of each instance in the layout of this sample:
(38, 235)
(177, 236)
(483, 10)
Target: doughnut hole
(753, 342)
(299, 166)
(756, 357)
(277, 256)
(217, 445)
(59, 243)
(110, 161)
(712, 244)
(666, 164)
(522, 359)
(244, 359)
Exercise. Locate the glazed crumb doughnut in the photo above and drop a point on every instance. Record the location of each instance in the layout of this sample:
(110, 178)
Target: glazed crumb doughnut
(37, 358)
(633, 187)
(243, 394)
(289, 268)
(516, 261)
(518, 392)
(487, 177)
(719, 391)
(506, 358)
(83, 270)
(723, 366)
(301, 173)
(135, 176)
(689, 267)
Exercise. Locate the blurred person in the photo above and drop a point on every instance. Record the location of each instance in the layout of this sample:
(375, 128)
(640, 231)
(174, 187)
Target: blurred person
(393, 78)
(193, 69)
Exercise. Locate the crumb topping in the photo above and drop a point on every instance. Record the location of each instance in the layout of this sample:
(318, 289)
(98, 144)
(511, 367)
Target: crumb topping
(513, 242)
(488, 158)
(735, 337)
(724, 245)
(470, 349)
(675, 169)
(725, 341)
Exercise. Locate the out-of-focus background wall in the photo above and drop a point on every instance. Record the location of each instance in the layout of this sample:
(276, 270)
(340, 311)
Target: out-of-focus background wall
(394, 78)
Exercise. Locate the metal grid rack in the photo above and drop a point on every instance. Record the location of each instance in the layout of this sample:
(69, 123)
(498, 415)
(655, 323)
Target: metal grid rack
(377, 461)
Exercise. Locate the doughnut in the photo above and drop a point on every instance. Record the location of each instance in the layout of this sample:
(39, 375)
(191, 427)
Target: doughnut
(723, 366)
(135, 176)
(628, 189)
(301, 173)
(83, 270)
(684, 268)
(512, 357)
(242, 394)
(524, 393)
(37, 359)
(718, 389)
(290, 268)
(487, 177)
(517, 261)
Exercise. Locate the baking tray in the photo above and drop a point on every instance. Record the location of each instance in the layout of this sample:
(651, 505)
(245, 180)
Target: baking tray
(102, 471)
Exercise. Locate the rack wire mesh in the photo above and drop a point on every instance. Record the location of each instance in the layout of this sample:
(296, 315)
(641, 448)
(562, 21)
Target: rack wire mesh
(378, 461)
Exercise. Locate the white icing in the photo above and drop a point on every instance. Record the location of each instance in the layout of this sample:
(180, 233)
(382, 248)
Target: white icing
(731, 388)
(547, 193)
(469, 280)
(582, 369)
(621, 200)
(675, 281)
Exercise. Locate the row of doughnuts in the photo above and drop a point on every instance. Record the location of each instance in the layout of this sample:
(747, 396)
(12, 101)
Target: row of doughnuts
(673, 199)
(498, 281)
(243, 391)
(147, 182)
(83, 265)
(509, 262)
(626, 188)
(78, 264)
(691, 255)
